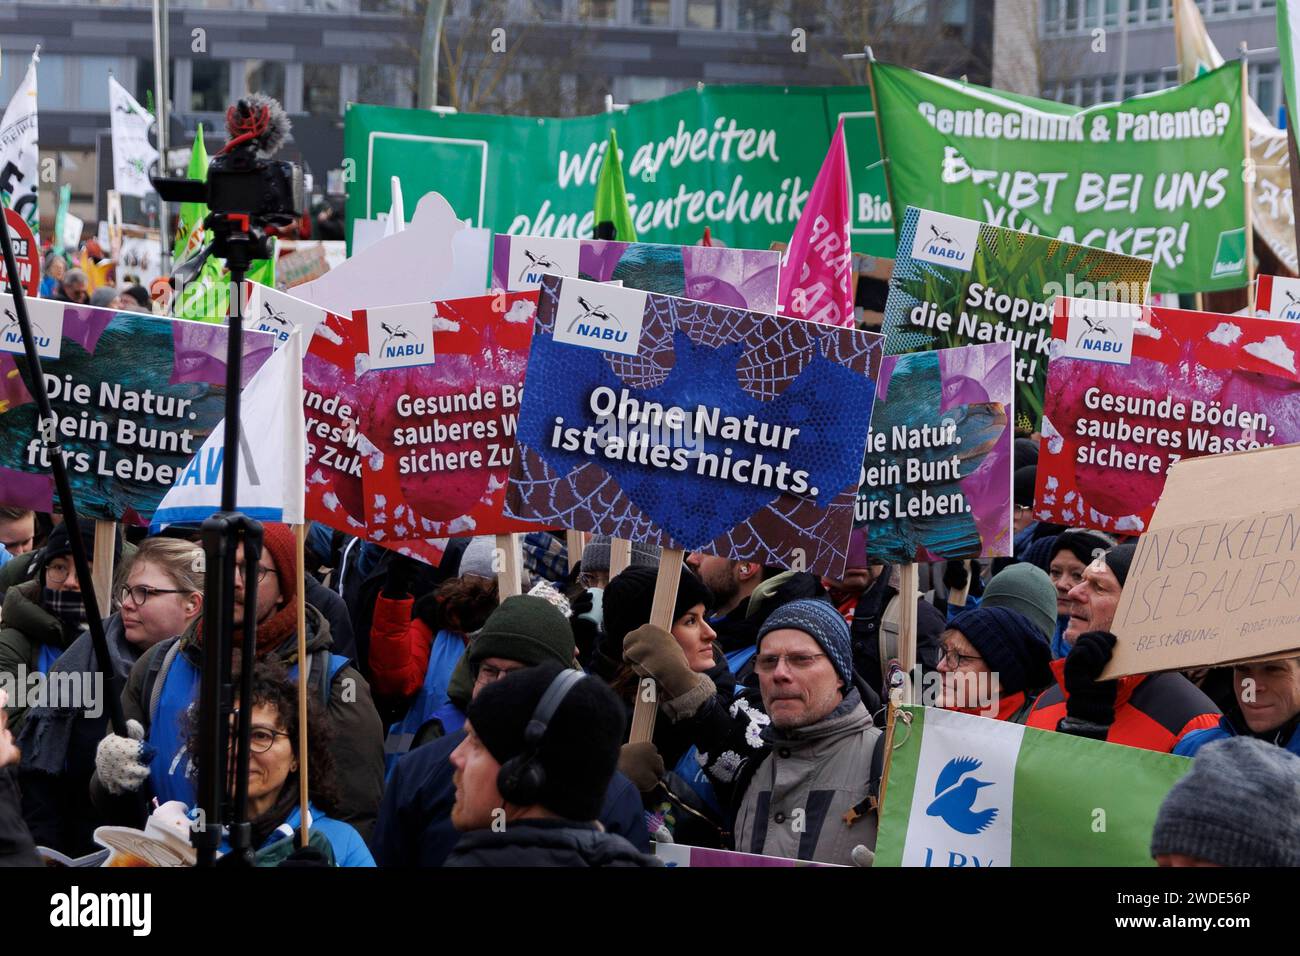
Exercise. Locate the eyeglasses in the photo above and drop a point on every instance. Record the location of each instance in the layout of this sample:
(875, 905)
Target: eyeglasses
(142, 593)
(57, 573)
(954, 660)
(262, 739)
(262, 572)
(799, 662)
(487, 673)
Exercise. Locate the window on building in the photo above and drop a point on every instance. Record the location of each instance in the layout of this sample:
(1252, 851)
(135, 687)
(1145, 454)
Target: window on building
(1221, 6)
(1071, 14)
(384, 85)
(911, 11)
(320, 88)
(1263, 87)
(754, 15)
(1051, 16)
(1091, 14)
(955, 12)
(92, 82)
(651, 12)
(599, 11)
(380, 6)
(1107, 94)
(704, 14)
(544, 9)
(209, 85)
(51, 79)
(1132, 86)
(1111, 15)
(144, 81)
(1155, 9)
(638, 89)
(264, 76)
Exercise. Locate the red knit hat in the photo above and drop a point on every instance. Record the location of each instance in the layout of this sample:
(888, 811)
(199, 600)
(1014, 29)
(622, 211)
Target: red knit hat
(278, 541)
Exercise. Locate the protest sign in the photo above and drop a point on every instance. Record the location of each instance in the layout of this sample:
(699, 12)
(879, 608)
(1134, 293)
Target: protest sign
(1158, 176)
(335, 445)
(1277, 297)
(936, 481)
(19, 187)
(27, 256)
(738, 159)
(693, 426)
(1215, 586)
(967, 791)
(680, 854)
(441, 413)
(960, 282)
(740, 278)
(134, 398)
(1131, 390)
(270, 310)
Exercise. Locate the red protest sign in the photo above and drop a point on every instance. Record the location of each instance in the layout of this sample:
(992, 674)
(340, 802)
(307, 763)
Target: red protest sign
(26, 253)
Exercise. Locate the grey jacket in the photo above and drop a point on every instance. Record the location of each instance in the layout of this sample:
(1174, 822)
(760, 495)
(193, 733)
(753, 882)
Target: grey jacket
(796, 799)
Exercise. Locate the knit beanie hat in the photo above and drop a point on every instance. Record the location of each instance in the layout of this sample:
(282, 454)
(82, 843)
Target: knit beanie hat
(1027, 589)
(580, 749)
(628, 598)
(279, 542)
(1239, 805)
(1010, 644)
(820, 621)
(1118, 560)
(477, 558)
(1024, 452)
(58, 544)
(1023, 481)
(1081, 543)
(595, 556)
(527, 629)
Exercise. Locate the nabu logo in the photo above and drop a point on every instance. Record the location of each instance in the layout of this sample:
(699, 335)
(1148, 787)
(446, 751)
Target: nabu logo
(46, 318)
(397, 332)
(1292, 308)
(401, 335)
(955, 797)
(588, 323)
(1098, 336)
(12, 333)
(597, 316)
(941, 244)
(273, 321)
(1100, 331)
(538, 265)
(945, 240)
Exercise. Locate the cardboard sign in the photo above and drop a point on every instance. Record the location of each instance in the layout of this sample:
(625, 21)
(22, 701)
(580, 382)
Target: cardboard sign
(1135, 390)
(1277, 297)
(739, 278)
(936, 480)
(1215, 585)
(442, 421)
(961, 282)
(134, 397)
(693, 426)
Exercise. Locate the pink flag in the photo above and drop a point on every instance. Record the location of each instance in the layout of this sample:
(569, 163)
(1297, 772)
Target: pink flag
(817, 268)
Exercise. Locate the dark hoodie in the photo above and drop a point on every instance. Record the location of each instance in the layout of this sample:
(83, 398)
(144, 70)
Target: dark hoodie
(546, 843)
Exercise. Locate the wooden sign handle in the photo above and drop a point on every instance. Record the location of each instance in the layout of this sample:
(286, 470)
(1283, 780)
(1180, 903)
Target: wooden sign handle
(661, 615)
(908, 593)
(300, 535)
(102, 565)
(620, 556)
(510, 577)
(574, 542)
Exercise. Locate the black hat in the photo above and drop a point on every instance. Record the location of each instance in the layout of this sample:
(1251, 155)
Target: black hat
(1023, 482)
(1024, 452)
(58, 544)
(1118, 560)
(580, 749)
(630, 595)
(1010, 644)
(1082, 543)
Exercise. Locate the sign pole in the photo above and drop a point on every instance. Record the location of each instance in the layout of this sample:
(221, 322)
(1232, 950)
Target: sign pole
(510, 577)
(1248, 189)
(620, 556)
(661, 615)
(102, 565)
(300, 535)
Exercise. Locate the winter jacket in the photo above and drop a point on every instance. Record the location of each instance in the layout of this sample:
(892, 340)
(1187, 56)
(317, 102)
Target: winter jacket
(546, 843)
(1152, 711)
(16, 846)
(58, 745)
(331, 606)
(399, 648)
(798, 795)
(864, 629)
(358, 736)
(1233, 724)
(31, 639)
(16, 571)
(344, 841)
(1012, 707)
(414, 827)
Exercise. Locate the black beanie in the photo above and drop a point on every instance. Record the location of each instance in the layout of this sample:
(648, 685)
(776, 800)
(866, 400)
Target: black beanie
(1024, 452)
(1010, 644)
(1081, 543)
(1023, 482)
(58, 545)
(1118, 560)
(580, 748)
(629, 596)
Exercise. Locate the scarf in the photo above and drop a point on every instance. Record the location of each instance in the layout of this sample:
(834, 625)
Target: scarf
(271, 633)
(67, 609)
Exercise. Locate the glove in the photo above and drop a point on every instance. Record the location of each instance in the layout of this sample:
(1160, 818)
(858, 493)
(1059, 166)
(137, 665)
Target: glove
(955, 575)
(653, 652)
(426, 609)
(122, 763)
(305, 856)
(586, 632)
(401, 571)
(1089, 699)
(642, 764)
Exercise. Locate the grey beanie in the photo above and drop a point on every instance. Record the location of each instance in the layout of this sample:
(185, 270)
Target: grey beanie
(595, 556)
(820, 621)
(1027, 589)
(1239, 805)
(477, 557)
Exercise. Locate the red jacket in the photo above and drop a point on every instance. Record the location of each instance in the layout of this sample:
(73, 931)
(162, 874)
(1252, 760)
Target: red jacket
(1152, 711)
(399, 648)
(1009, 706)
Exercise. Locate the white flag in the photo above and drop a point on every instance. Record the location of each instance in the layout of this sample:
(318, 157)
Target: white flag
(18, 186)
(272, 466)
(133, 154)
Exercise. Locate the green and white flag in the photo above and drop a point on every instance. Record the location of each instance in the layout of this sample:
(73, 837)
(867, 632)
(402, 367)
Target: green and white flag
(1288, 35)
(190, 235)
(973, 791)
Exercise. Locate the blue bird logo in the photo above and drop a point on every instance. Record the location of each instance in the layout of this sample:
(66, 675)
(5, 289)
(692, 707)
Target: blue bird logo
(952, 800)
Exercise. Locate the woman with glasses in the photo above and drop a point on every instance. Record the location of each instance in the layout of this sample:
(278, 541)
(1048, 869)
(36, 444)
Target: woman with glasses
(993, 662)
(161, 596)
(274, 810)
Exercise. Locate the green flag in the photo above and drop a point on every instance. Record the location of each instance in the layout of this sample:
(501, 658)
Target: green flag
(65, 197)
(974, 791)
(189, 228)
(1288, 35)
(613, 218)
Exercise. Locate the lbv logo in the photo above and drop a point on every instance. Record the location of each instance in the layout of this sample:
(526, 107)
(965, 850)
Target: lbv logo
(954, 797)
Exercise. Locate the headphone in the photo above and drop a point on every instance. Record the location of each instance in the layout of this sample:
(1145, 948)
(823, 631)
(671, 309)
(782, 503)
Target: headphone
(522, 778)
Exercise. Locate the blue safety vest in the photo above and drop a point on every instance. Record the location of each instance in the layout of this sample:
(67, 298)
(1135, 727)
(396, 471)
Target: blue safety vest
(169, 771)
(444, 655)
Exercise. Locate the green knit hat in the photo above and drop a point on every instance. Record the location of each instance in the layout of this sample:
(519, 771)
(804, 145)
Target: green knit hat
(1027, 589)
(527, 629)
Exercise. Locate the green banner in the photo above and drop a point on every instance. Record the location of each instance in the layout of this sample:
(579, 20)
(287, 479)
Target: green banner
(738, 159)
(1158, 176)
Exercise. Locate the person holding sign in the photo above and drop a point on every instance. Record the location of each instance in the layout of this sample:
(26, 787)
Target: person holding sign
(1151, 711)
(1266, 706)
(44, 616)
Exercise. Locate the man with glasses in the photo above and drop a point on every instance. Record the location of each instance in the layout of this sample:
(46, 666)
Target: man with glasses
(415, 826)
